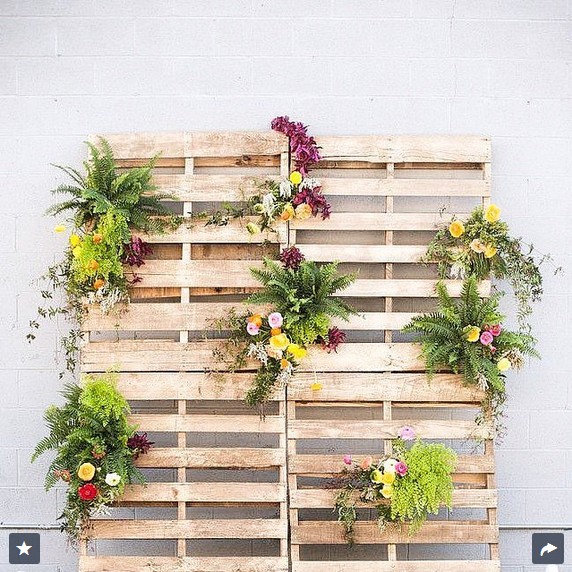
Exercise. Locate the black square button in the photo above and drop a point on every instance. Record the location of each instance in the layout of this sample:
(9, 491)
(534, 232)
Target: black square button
(548, 548)
(24, 548)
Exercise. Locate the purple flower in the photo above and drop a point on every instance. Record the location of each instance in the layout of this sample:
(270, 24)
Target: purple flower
(135, 251)
(334, 338)
(401, 468)
(315, 199)
(291, 258)
(348, 459)
(275, 320)
(406, 433)
(252, 328)
(139, 444)
(486, 338)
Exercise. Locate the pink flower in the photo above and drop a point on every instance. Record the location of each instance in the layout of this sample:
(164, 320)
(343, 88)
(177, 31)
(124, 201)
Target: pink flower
(495, 330)
(275, 320)
(252, 328)
(348, 459)
(406, 433)
(366, 463)
(493, 349)
(486, 338)
(401, 468)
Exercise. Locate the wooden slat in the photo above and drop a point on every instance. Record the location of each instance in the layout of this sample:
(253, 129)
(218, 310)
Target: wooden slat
(145, 145)
(363, 253)
(398, 566)
(324, 498)
(368, 533)
(230, 458)
(383, 429)
(185, 564)
(226, 143)
(164, 529)
(218, 493)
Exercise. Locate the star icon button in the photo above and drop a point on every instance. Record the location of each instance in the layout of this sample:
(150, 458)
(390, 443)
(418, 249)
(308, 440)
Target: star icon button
(24, 549)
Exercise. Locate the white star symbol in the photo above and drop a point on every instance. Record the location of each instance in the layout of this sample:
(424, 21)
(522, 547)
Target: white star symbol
(23, 548)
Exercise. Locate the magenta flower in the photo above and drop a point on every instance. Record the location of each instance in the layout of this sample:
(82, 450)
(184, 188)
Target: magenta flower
(406, 433)
(275, 320)
(495, 330)
(139, 444)
(291, 258)
(348, 459)
(486, 338)
(315, 199)
(334, 338)
(401, 469)
(252, 328)
(135, 251)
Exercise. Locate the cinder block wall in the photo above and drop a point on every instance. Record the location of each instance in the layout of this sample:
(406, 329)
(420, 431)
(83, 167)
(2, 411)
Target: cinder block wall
(497, 67)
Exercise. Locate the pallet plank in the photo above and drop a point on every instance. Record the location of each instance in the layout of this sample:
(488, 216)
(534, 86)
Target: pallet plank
(398, 566)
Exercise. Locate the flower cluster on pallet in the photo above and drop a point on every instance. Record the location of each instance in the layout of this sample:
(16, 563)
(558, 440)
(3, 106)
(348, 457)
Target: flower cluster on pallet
(300, 295)
(468, 336)
(405, 486)
(107, 206)
(482, 247)
(95, 449)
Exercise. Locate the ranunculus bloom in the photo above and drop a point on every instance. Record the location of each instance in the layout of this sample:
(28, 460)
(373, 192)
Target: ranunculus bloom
(112, 479)
(280, 342)
(503, 364)
(456, 228)
(376, 476)
(472, 334)
(275, 320)
(256, 319)
(86, 472)
(99, 283)
(388, 478)
(347, 459)
(275, 331)
(477, 246)
(303, 211)
(76, 251)
(252, 328)
(486, 338)
(389, 466)
(297, 351)
(284, 363)
(287, 212)
(406, 433)
(495, 330)
(492, 213)
(366, 463)
(87, 492)
(401, 469)
(75, 240)
(295, 177)
(253, 228)
(387, 491)
(490, 251)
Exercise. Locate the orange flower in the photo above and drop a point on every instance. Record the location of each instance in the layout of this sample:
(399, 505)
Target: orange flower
(284, 363)
(97, 238)
(93, 265)
(288, 212)
(275, 331)
(256, 319)
(99, 283)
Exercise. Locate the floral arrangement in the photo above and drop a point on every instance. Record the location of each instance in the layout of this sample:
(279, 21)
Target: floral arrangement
(107, 206)
(482, 247)
(300, 295)
(468, 336)
(95, 450)
(404, 486)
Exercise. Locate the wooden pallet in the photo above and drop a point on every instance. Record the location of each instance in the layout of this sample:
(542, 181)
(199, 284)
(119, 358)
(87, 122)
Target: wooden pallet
(387, 193)
(216, 498)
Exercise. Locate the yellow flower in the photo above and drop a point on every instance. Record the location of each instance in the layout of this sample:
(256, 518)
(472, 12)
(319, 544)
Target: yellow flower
(297, 351)
(477, 246)
(256, 319)
(492, 213)
(388, 478)
(253, 228)
(316, 386)
(288, 212)
(284, 363)
(279, 342)
(295, 177)
(503, 364)
(75, 240)
(377, 476)
(77, 251)
(473, 333)
(387, 491)
(303, 211)
(59, 228)
(86, 472)
(490, 251)
(456, 228)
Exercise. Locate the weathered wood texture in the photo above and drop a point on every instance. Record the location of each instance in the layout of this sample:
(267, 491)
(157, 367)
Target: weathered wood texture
(213, 455)
(389, 192)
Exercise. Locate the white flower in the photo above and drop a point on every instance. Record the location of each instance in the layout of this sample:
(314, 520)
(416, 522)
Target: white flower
(112, 479)
(286, 189)
(389, 466)
(268, 201)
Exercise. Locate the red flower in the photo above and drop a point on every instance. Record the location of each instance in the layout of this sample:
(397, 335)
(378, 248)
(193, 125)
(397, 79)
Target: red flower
(496, 330)
(87, 492)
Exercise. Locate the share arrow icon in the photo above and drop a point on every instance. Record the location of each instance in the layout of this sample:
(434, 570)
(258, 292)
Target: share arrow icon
(548, 549)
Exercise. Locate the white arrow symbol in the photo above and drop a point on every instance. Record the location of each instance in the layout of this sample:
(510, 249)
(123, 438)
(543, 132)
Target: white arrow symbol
(548, 548)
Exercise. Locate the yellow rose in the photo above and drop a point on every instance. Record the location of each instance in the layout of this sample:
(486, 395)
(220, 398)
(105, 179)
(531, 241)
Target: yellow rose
(456, 228)
(490, 251)
(316, 386)
(279, 342)
(473, 334)
(86, 472)
(295, 177)
(477, 246)
(297, 351)
(387, 491)
(59, 228)
(503, 364)
(492, 213)
(303, 211)
(377, 476)
(75, 240)
(288, 212)
(388, 478)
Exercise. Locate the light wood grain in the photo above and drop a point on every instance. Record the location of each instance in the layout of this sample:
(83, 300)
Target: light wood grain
(398, 566)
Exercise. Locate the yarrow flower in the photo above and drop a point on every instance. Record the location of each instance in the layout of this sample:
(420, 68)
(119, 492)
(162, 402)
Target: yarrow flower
(291, 258)
(139, 444)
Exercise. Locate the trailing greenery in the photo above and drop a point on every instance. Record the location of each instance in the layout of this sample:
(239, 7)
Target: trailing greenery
(482, 247)
(467, 337)
(95, 449)
(405, 486)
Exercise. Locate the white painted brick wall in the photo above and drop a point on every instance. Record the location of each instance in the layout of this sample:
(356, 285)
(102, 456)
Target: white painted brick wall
(499, 67)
